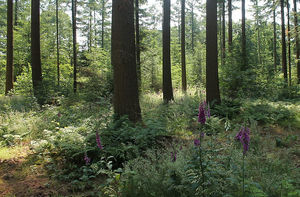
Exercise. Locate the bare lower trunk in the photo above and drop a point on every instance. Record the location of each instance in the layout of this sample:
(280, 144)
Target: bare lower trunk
(289, 42)
(229, 23)
(57, 47)
(297, 41)
(9, 52)
(126, 98)
(167, 79)
(274, 37)
(183, 66)
(36, 51)
(212, 79)
(74, 2)
(284, 63)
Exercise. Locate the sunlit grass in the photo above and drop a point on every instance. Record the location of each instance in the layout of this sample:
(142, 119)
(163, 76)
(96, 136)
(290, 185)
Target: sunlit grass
(7, 153)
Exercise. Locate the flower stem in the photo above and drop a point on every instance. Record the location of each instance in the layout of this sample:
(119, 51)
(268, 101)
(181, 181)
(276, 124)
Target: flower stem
(201, 165)
(243, 175)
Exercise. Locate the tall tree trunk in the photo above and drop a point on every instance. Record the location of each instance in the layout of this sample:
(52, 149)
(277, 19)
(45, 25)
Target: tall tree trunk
(297, 41)
(244, 55)
(126, 98)
(212, 78)
(274, 36)
(289, 41)
(16, 12)
(74, 10)
(284, 63)
(223, 31)
(9, 85)
(220, 34)
(230, 24)
(179, 29)
(183, 66)
(137, 37)
(57, 46)
(95, 27)
(35, 51)
(90, 30)
(167, 79)
(258, 33)
(193, 27)
(102, 23)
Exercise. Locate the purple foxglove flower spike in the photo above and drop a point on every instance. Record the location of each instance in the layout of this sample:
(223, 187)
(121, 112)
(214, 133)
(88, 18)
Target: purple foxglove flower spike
(98, 141)
(87, 159)
(201, 115)
(244, 137)
(197, 142)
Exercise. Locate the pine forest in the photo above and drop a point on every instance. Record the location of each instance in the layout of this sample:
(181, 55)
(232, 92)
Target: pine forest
(150, 98)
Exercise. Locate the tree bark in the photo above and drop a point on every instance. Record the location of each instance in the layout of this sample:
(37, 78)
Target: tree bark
(258, 33)
(229, 24)
(183, 65)
(90, 30)
(193, 27)
(35, 51)
(9, 52)
(223, 31)
(244, 54)
(137, 37)
(57, 46)
(274, 36)
(220, 34)
(284, 63)
(289, 41)
(297, 41)
(167, 80)
(16, 12)
(212, 78)
(102, 23)
(74, 2)
(126, 98)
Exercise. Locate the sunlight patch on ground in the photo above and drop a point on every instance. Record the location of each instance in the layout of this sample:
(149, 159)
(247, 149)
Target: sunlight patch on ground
(7, 153)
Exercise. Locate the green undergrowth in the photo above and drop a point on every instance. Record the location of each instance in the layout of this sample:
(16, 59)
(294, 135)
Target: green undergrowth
(136, 159)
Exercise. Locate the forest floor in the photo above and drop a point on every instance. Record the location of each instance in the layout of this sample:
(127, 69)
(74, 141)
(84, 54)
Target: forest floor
(21, 175)
(24, 168)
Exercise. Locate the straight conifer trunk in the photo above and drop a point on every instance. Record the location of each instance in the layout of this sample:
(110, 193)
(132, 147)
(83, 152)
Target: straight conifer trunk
(57, 45)
(167, 80)
(193, 26)
(137, 37)
(9, 52)
(35, 51)
(274, 36)
(74, 2)
(229, 23)
(284, 63)
(258, 33)
(102, 23)
(212, 78)
(126, 98)
(289, 41)
(16, 12)
(223, 31)
(183, 65)
(297, 41)
(244, 55)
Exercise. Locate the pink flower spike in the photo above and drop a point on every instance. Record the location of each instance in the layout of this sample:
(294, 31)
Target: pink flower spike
(98, 141)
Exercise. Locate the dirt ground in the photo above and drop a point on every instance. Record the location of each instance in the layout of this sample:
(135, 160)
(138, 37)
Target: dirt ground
(20, 176)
